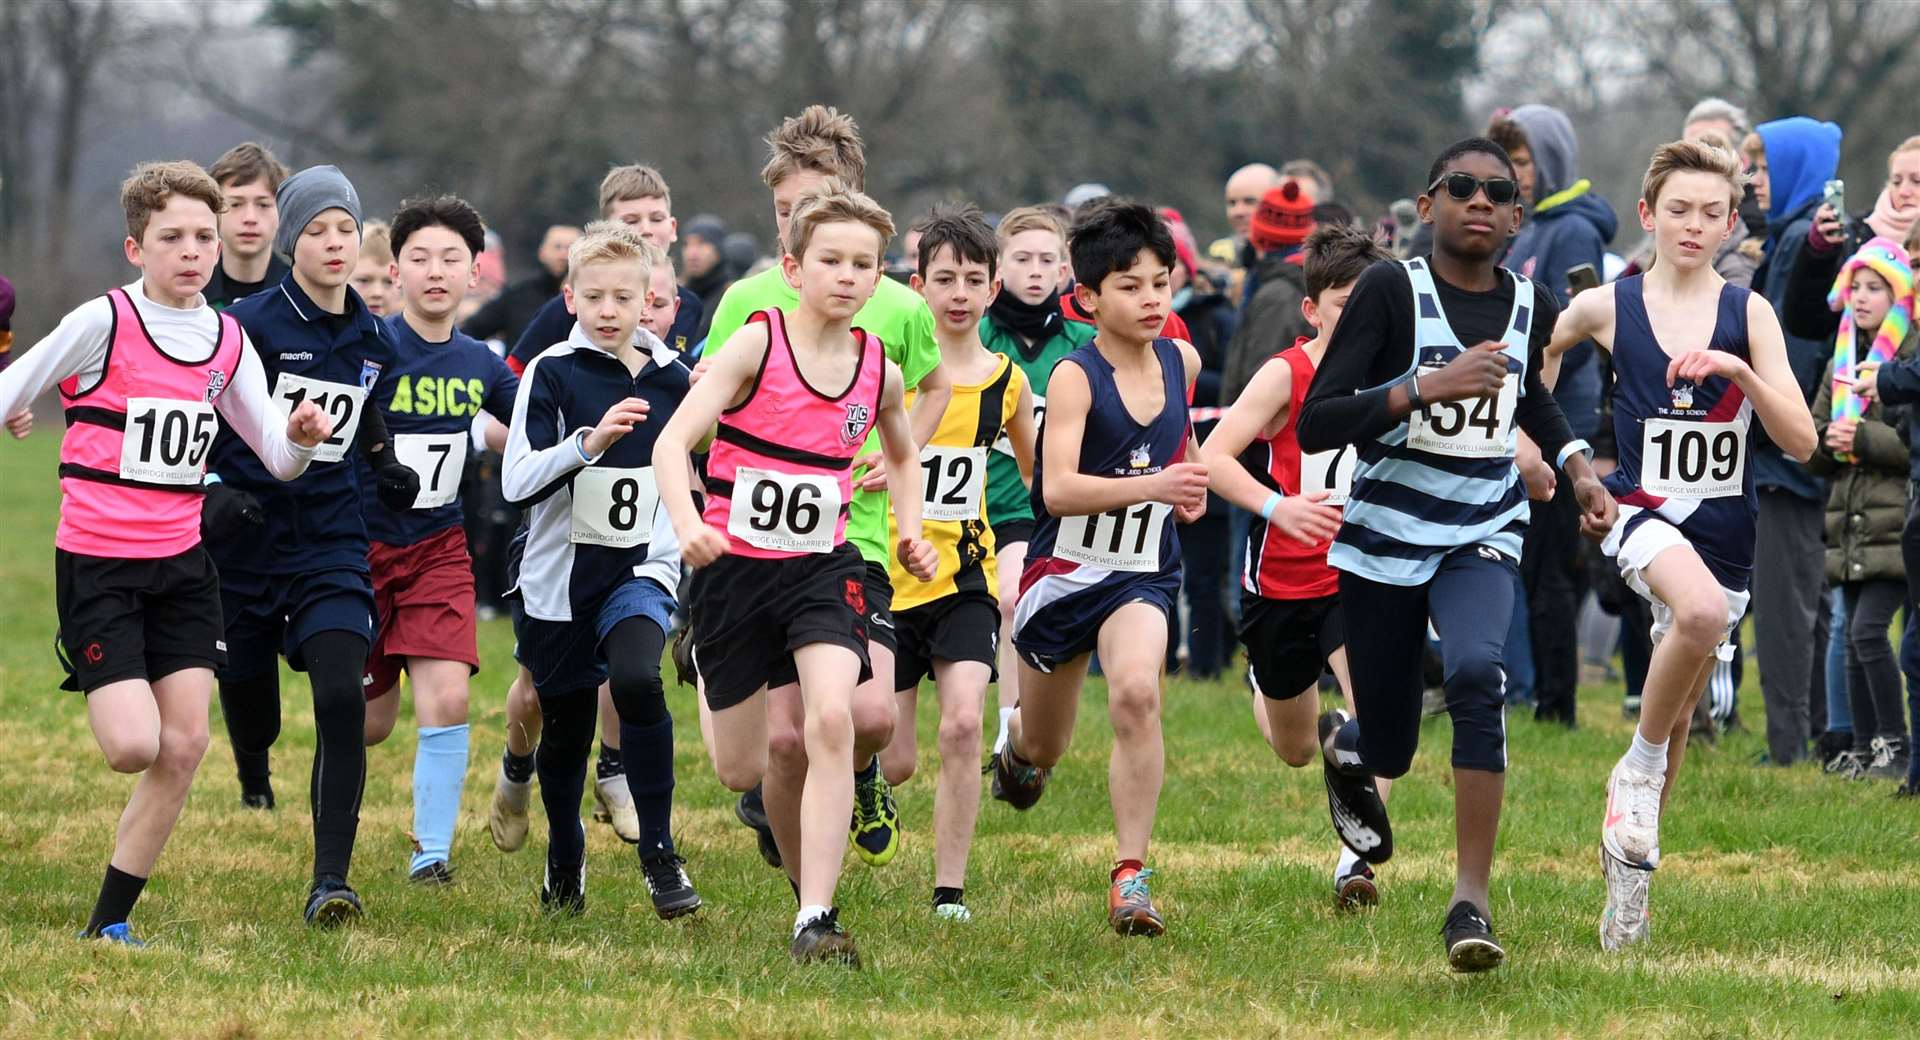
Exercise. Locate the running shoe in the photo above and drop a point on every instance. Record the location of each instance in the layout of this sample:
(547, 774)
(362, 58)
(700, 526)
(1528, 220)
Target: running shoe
(1889, 759)
(875, 828)
(256, 794)
(331, 903)
(1355, 890)
(507, 819)
(438, 872)
(684, 670)
(1848, 764)
(1469, 939)
(565, 892)
(823, 940)
(667, 882)
(752, 812)
(956, 912)
(1130, 905)
(613, 803)
(118, 933)
(1630, 831)
(1017, 783)
(1624, 921)
(1359, 816)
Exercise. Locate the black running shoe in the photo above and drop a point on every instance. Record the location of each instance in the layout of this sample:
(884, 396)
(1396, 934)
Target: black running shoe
(1015, 783)
(439, 872)
(564, 891)
(256, 794)
(1359, 816)
(752, 812)
(824, 940)
(667, 882)
(684, 669)
(331, 903)
(1470, 942)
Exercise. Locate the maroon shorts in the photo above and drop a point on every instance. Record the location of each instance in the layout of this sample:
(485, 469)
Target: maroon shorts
(423, 596)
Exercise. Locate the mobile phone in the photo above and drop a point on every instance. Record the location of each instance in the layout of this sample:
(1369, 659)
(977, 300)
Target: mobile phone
(1580, 278)
(1835, 194)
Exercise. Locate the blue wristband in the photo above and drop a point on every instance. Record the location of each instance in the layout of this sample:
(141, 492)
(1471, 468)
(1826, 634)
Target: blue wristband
(1272, 503)
(580, 445)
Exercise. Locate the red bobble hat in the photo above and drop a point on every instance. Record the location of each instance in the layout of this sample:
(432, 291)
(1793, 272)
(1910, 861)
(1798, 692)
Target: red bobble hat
(1283, 218)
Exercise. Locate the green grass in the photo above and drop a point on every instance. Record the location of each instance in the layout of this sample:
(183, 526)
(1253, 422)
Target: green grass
(1786, 904)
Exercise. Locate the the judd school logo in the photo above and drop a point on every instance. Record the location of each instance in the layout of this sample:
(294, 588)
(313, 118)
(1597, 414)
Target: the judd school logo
(216, 382)
(1683, 395)
(854, 430)
(1140, 458)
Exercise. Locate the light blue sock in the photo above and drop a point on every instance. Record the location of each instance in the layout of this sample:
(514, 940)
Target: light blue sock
(439, 771)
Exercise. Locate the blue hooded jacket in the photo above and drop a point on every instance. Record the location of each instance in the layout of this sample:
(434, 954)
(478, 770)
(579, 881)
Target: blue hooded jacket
(1569, 226)
(1802, 155)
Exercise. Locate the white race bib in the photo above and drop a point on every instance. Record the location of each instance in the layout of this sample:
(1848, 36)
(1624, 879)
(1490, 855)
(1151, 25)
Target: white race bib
(341, 402)
(438, 458)
(784, 512)
(613, 507)
(1329, 471)
(1682, 459)
(1476, 428)
(1005, 444)
(167, 440)
(1125, 539)
(956, 481)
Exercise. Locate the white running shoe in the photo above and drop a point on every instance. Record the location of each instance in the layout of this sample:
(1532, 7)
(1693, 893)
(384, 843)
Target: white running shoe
(956, 912)
(1625, 920)
(613, 803)
(508, 817)
(1630, 831)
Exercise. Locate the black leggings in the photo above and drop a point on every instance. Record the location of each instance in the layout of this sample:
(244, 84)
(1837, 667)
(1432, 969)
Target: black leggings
(1873, 676)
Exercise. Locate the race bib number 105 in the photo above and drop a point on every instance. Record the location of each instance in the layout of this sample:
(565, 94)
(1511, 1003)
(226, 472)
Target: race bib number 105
(167, 440)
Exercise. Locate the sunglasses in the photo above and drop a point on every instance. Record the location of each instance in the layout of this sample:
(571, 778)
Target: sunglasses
(1500, 191)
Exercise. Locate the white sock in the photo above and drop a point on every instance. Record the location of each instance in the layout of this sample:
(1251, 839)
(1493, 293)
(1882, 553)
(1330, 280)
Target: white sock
(1000, 742)
(1647, 756)
(806, 916)
(1347, 860)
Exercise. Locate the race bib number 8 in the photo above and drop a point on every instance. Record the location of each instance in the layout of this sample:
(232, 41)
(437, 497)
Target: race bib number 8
(167, 440)
(1329, 471)
(1477, 428)
(1120, 540)
(613, 507)
(1681, 459)
(439, 458)
(956, 482)
(341, 402)
(784, 512)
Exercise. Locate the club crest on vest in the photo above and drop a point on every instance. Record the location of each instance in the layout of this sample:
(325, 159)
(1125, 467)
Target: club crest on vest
(216, 382)
(854, 430)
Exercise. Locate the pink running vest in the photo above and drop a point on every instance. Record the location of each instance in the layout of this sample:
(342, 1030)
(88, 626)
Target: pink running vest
(780, 475)
(136, 445)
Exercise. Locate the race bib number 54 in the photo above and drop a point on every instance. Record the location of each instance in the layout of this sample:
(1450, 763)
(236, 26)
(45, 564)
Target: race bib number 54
(784, 512)
(1476, 428)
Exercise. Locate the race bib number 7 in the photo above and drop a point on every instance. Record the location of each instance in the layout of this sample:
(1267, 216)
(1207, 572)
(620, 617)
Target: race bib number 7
(1477, 428)
(341, 402)
(439, 458)
(613, 507)
(1126, 539)
(167, 440)
(1681, 459)
(784, 512)
(1329, 471)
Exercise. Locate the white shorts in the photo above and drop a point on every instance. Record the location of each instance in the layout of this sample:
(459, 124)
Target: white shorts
(1634, 553)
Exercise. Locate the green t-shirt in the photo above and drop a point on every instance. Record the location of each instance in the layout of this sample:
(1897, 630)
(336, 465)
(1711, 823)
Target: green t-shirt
(1007, 496)
(896, 314)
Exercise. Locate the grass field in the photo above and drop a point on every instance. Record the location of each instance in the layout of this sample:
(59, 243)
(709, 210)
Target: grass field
(1786, 905)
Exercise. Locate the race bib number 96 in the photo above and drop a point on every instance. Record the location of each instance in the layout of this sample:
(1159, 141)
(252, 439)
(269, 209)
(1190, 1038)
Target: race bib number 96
(1477, 428)
(167, 440)
(1125, 539)
(613, 507)
(341, 402)
(439, 458)
(956, 482)
(784, 512)
(1680, 459)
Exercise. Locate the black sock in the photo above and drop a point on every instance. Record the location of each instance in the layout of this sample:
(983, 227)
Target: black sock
(866, 775)
(942, 895)
(118, 892)
(610, 762)
(335, 662)
(561, 761)
(650, 779)
(519, 768)
(252, 710)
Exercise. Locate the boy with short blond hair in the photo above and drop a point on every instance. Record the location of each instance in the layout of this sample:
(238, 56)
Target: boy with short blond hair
(780, 613)
(248, 175)
(373, 276)
(146, 373)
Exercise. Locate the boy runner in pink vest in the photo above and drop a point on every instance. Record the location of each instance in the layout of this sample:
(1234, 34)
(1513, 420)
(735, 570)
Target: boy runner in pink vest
(146, 373)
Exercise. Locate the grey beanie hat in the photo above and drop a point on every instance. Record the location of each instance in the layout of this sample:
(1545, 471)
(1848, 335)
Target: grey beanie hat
(304, 196)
